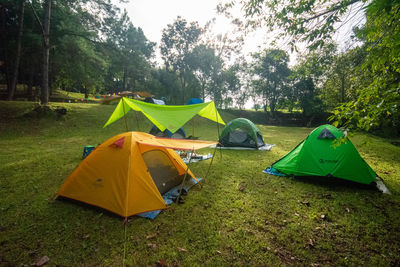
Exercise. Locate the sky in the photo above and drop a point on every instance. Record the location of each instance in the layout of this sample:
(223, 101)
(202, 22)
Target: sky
(154, 15)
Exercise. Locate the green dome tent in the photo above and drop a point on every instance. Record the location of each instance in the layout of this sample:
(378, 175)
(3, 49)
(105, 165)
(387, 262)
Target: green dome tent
(318, 155)
(241, 132)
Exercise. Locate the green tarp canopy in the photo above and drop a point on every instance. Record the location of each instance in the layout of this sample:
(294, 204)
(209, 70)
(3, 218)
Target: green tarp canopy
(166, 117)
(319, 155)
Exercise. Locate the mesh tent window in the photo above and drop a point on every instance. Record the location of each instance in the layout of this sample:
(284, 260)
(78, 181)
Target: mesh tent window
(162, 170)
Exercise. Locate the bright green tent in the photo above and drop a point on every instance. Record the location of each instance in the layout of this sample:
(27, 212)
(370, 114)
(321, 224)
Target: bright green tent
(166, 117)
(319, 155)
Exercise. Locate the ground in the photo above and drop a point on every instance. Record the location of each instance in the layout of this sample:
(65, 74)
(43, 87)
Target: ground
(236, 216)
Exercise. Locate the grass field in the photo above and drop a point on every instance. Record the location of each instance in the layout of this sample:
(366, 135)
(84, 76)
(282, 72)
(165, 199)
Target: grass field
(238, 216)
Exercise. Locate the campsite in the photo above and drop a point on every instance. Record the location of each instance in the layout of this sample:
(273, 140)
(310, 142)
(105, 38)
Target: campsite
(199, 133)
(237, 215)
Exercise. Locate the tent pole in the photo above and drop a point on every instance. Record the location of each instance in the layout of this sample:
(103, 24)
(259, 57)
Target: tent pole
(193, 127)
(209, 166)
(137, 120)
(184, 178)
(123, 107)
(216, 115)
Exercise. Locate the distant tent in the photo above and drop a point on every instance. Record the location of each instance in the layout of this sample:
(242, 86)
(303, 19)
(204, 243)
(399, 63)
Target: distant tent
(194, 101)
(318, 155)
(128, 173)
(154, 101)
(241, 132)
(166, 116)
(180, 134)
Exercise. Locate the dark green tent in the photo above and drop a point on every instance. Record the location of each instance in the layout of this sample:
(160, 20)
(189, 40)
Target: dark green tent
(319, 155)
(241, 132)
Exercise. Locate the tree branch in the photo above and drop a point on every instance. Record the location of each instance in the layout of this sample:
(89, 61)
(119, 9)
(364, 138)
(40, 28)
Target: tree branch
(333, 9)
(37, 18)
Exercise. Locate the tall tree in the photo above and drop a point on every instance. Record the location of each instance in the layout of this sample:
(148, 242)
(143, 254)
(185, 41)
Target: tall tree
(13, 84)
(177, 42)
(270, 75)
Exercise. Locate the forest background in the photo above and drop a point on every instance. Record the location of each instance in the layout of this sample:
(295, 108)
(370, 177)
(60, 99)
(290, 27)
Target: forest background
(92, 47)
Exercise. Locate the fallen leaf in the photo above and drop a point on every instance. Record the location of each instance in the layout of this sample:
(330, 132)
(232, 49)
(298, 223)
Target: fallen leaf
(219, 252)
(296, 214)
(151, 236)
(86, 236)
(181, 249)
(268, 248)
(347, 209)
(161, 263)
(42, 261)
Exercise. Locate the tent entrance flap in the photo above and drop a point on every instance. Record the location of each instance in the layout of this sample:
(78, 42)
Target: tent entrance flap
(162, 170)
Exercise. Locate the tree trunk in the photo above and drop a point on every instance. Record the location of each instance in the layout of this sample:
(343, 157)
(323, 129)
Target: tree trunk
(85, 90)
(44, 98)
(14, 80)
(4, 44)
(30, 85)
(124, 79)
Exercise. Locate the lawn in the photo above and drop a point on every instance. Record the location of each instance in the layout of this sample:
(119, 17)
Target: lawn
(236, 216)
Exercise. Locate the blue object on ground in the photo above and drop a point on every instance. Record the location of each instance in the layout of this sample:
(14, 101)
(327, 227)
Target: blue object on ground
(87, 150)
(169, 196)
(273, 171)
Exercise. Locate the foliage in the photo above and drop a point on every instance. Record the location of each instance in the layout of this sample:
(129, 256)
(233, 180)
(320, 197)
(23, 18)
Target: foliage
(312, 22)
(271, 73)
(177, 42)
(377, 107)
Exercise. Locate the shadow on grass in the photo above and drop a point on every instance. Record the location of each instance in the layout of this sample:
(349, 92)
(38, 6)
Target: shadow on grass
(333, 183)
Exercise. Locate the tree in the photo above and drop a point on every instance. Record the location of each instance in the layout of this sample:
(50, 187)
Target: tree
(270, 72)
(377, 106)
(177, 42)
(13, 85)
(310, 21)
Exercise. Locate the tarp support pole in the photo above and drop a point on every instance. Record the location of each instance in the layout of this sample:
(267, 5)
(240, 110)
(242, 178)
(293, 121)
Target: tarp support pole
(216, 115)
(209, 167)
(123, 107)
(184, 178)
(137, 120)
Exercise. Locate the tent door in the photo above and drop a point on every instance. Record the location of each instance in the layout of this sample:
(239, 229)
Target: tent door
(162, 170)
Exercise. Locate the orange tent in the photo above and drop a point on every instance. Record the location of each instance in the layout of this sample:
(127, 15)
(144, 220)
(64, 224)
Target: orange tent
(129, 172)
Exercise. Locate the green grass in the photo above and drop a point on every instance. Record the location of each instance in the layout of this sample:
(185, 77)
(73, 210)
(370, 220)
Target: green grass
(238, 216)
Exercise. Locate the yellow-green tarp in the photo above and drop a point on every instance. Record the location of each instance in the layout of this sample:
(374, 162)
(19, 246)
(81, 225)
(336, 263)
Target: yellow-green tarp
(166, 117)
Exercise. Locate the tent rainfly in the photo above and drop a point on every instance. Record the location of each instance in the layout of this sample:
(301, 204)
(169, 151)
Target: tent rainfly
(165, 116)
(128, 173)
(318, 155)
